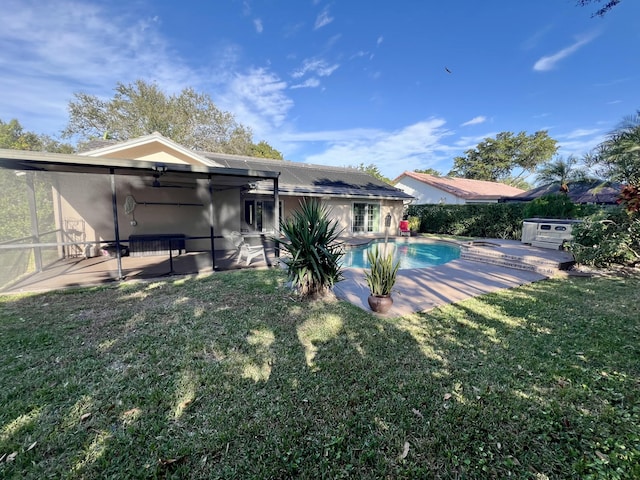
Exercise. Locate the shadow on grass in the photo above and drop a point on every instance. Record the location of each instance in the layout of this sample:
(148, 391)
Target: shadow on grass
(231, 376)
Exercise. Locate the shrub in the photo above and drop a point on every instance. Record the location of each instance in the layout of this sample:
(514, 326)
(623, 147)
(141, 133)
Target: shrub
(554, 205)
(493, 220)
(383, 272)
(609, 237)
(311, 239)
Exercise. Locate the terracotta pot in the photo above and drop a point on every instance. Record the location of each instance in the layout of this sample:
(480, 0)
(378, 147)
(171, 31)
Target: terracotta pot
(380, 303)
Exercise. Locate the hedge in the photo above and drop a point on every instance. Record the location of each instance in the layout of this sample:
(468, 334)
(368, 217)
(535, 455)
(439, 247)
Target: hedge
(492, 220)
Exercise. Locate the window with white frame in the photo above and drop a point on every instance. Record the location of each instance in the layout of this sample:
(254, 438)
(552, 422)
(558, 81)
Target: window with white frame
(366, 217)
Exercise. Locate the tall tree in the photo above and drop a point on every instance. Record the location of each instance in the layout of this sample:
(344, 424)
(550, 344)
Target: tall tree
(602, 10)
(13, 136)
(15, 219)
(374, 171)
(618, 157)
(507, 157)
(429, 171)
(263, 150)
(561, 171)
(140, 108)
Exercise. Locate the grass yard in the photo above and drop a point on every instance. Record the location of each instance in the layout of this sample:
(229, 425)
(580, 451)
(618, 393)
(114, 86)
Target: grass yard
(230, 376)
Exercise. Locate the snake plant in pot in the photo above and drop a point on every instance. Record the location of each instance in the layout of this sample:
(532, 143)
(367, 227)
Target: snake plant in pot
(381, 278)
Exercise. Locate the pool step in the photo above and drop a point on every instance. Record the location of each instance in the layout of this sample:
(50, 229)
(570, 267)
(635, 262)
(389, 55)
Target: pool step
(530, 263)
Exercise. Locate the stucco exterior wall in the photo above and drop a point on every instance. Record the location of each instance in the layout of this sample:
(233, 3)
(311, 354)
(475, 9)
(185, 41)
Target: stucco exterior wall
(341, 209)
(158, 210)
(426, 194)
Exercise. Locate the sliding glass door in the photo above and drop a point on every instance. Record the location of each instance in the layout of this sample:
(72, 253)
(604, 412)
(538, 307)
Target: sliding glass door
(259, 215)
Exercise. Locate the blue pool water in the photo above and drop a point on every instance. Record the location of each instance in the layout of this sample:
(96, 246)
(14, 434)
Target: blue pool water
(411, 255)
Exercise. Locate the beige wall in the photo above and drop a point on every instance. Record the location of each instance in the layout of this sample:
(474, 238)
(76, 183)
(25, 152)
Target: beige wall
(88, 197)
(154, 152)
(341, 210)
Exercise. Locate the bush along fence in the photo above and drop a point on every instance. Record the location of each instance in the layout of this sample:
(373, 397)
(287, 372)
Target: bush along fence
(494, 220)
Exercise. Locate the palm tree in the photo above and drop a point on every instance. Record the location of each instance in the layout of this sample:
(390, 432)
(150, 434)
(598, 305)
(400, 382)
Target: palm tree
(561, 171)
(619, 154)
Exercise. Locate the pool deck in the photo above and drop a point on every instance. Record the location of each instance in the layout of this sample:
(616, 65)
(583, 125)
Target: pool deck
(420, 290)
(416, 290)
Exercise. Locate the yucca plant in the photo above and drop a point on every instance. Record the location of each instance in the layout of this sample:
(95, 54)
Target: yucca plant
(311, 239)
(382, 274)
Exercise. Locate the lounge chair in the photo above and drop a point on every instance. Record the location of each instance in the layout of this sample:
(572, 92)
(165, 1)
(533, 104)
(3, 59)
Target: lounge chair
(245, 250)
(404, 228)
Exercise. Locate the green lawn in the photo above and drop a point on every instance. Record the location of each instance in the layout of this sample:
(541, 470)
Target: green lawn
(231, 376)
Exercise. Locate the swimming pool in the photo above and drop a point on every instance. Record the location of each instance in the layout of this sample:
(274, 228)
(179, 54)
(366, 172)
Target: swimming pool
(411, 255)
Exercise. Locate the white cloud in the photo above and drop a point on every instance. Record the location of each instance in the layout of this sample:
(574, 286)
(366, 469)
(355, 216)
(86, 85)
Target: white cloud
(580, 132)
(475, 121)
(258, 24)
(549, 62)
(323, 19)
(414, 146)
(257, 99)
(380, 40)
(308, 83)
(50, 51)
(315, 66)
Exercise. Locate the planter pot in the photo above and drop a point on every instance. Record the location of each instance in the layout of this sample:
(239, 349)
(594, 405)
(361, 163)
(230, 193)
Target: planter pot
(380, 303)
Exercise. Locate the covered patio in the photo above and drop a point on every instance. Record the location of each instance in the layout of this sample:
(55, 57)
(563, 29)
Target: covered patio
(157, 218)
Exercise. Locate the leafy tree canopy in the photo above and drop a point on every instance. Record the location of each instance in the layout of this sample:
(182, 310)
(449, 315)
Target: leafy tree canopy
(263, 150)
(609, 4)
(188, 118)
(496, 159)
(429, 171)
(14, 137)
(374, 171)
(15, 216)
(520, 183)
(562, 171)
(618, 157)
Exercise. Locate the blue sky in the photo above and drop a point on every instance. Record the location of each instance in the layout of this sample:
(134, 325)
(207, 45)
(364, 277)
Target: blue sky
(339, 82)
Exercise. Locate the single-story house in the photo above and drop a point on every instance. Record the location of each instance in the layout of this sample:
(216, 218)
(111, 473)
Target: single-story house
(596, 192)
(432, 189)
(132, 192)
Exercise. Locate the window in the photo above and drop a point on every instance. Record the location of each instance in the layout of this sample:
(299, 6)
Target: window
(366, 217)
(259, 215)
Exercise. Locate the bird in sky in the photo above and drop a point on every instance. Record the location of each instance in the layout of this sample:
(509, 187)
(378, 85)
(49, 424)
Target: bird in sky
(447, 70)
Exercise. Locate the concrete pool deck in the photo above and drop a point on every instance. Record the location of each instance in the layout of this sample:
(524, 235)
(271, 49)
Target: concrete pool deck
(419, 290)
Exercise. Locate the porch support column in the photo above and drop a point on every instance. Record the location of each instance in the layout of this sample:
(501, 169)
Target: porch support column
(33, 213)
(211, 232)
(276, 215)
(116, 228)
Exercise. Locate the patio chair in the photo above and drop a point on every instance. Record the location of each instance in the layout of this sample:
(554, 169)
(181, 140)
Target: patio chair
(404, 228)
(245, 250)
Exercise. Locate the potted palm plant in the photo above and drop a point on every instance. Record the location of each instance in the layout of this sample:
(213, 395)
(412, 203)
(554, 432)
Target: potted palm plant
(381, 278)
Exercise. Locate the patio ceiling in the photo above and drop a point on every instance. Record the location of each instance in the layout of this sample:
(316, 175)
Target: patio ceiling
(70, 163)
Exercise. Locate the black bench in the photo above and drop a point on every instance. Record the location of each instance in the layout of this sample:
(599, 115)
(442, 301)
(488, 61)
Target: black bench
(156, 244)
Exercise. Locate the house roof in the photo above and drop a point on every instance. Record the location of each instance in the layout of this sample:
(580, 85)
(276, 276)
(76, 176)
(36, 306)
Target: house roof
(314, 180)
(464, 187)
(295, 178)
(579, 192)
(24, 160)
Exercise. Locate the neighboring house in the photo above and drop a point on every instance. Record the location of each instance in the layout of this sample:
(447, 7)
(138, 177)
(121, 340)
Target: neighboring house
(151, 186)
(432, 189)
(598, 192)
